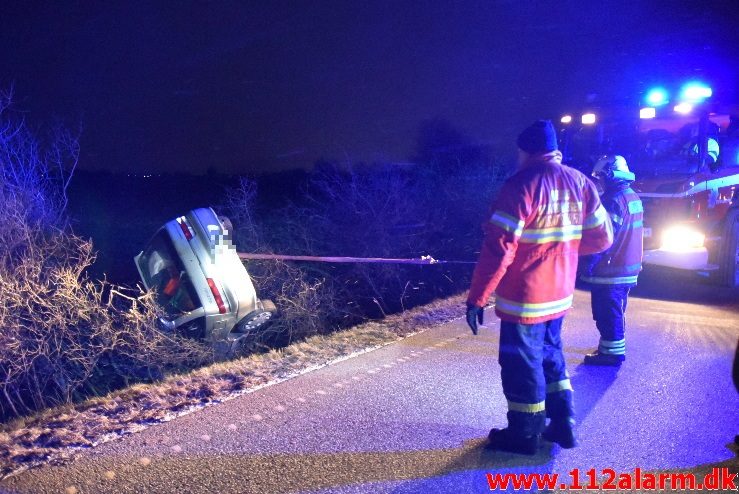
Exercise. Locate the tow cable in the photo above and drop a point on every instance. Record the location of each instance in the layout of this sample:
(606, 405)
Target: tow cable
(423, 260)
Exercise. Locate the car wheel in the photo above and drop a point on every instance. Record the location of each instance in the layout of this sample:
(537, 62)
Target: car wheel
(252, 321)
(255, 319)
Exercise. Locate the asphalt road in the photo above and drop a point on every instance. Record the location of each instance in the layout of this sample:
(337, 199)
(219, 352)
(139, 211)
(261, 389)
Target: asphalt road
(412, 417)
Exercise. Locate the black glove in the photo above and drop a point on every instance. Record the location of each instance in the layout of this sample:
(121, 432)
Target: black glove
(474, 317)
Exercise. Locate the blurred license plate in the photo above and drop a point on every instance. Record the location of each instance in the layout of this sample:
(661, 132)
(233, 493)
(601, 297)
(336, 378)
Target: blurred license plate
(647, 232)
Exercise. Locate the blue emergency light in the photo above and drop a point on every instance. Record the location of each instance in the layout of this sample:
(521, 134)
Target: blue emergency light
(695, 92)
(657, 97)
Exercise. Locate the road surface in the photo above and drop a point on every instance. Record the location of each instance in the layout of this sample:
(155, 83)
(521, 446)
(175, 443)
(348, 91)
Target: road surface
(412, 417)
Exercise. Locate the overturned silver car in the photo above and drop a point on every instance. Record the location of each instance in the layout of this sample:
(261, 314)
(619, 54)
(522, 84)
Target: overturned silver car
(200, 281)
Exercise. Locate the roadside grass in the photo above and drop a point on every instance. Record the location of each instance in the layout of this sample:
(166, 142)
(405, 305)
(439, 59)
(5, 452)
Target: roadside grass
(55, 434)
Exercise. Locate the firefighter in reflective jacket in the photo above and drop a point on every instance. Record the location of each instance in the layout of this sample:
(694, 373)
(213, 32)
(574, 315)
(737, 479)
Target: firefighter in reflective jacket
(611, 274)
(544, 217)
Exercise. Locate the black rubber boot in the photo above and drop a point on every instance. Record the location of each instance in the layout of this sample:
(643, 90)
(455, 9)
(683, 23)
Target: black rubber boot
(522, 434)
(507, 440)
(561, 432)
(597, 358)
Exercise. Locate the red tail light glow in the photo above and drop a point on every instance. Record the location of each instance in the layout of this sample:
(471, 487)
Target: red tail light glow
(695, 209)
(217, 296)
(185, 228)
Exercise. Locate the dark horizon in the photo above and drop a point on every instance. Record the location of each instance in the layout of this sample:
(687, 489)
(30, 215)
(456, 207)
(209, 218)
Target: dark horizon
(251, 88)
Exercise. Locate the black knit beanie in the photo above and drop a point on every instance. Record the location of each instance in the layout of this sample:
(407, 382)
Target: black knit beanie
(540, 137)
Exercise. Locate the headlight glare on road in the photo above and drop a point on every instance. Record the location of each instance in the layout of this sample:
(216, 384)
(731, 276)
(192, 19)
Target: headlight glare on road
(681, 238)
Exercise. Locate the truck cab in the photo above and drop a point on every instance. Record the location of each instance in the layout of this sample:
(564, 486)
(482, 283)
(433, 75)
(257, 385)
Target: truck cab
(686, 161)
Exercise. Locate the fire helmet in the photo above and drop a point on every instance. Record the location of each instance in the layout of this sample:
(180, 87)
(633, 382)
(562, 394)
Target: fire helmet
(613, 168)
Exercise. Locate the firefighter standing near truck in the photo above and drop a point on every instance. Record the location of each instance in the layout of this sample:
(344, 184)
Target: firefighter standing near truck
(612, 273)
(545, 216)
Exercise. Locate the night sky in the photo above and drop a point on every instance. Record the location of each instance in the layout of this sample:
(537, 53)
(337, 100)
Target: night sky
(260, 86)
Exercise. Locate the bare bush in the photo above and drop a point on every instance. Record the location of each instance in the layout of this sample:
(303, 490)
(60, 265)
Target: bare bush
(371, 212)
(66, 337)
(304, 298)
(63, 335)
(240, 206)
(303, 303)
(406, 212)
(378, 211)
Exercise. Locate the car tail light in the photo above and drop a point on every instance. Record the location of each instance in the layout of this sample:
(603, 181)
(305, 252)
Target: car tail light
(217, 296)
(185, 228)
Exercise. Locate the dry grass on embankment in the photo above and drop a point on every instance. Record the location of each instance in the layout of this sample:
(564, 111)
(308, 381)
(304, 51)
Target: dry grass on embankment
(56, 433)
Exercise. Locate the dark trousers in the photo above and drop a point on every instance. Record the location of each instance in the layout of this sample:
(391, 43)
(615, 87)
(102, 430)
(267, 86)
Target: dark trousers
(609, 312)
(534, 377)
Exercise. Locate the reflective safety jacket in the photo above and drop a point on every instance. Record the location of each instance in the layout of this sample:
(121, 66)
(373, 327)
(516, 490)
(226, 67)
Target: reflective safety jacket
(621, 263)
(545, 216)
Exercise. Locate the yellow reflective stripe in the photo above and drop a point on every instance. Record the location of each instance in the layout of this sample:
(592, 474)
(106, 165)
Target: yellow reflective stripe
(526, 407)
(604, 280)
(558, 237)
(635, 207)
(532, 310)
(551, 229)
(552, 234)
(596, 219)
(613, 343)
(507, 222)
(615, 347)
(562, 385)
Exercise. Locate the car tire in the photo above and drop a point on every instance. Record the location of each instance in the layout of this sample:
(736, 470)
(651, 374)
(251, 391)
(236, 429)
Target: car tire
(256, 319)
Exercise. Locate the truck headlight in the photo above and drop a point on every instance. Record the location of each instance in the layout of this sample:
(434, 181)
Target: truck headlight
(682, 238)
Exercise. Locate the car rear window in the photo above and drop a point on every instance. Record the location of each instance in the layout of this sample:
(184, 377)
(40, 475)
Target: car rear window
(165, 273)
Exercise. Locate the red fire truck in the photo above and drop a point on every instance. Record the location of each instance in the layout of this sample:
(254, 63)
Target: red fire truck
(685, 154)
